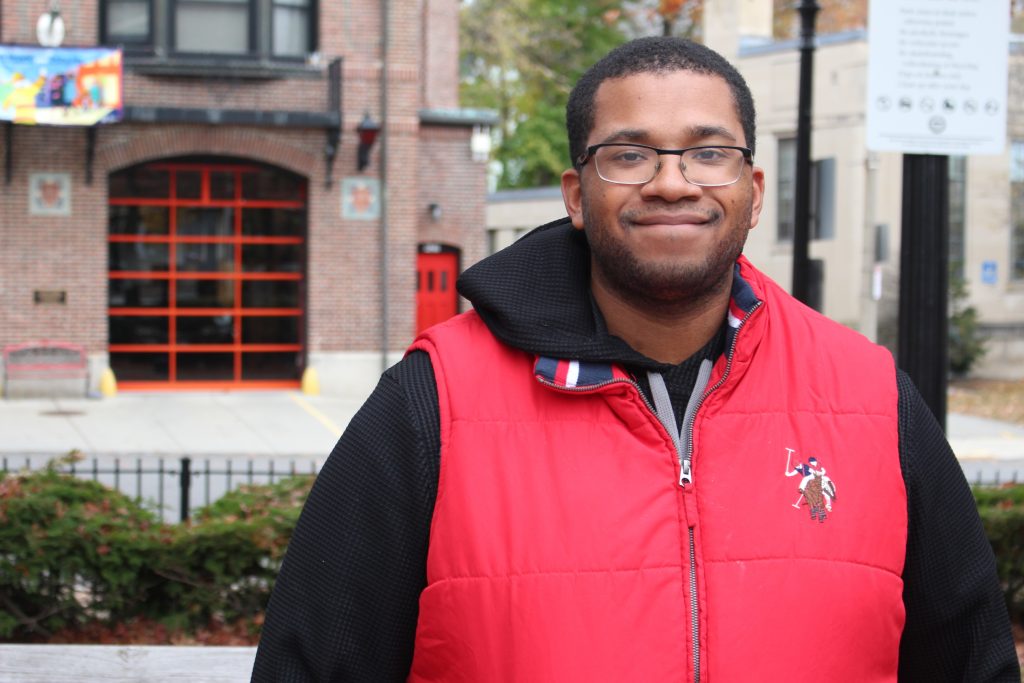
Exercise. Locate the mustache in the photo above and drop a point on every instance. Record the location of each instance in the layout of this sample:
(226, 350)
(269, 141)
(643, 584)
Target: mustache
(633, 215)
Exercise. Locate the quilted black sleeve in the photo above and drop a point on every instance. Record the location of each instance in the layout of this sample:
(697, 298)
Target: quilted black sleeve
(957, 626)
(345, 603)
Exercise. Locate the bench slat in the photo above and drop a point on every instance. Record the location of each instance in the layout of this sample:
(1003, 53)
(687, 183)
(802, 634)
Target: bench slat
(123, 663)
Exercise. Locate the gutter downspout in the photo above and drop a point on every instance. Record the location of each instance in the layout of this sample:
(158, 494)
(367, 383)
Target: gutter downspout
(385, 18)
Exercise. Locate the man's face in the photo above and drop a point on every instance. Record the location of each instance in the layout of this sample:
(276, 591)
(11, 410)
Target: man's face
(667, 242)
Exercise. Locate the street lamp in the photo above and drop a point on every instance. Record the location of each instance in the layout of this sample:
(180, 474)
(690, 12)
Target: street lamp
(368, 130)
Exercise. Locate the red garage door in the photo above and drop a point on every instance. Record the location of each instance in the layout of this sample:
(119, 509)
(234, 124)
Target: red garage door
(207, 276)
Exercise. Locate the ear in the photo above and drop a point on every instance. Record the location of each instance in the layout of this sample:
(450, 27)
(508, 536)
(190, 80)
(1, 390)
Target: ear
(757, 195)
(573, 197)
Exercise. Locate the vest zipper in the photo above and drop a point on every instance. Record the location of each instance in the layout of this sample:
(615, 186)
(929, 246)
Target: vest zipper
(685, 473)
(688, 457)
(694, 621)
(685, 478)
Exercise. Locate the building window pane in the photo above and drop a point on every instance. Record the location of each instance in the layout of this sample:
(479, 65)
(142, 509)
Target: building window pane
(215, 26)
(957, 213)
(823, 199)
(291, 28)
(1017, 209)
(128, 20)
(786, 188)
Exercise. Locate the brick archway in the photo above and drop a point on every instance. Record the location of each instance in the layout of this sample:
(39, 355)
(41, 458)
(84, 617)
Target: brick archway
(135, 145)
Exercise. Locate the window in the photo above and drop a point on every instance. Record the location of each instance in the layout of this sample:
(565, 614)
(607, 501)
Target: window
(957, 213)
(212, 26)
(189, 29)
(1017, 210)
(291, 23)
(822, 190)
(823, 199)
(129, 22)
(786, 188)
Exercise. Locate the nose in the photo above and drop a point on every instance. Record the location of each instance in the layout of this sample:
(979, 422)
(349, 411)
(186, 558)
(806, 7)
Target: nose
(669, 184)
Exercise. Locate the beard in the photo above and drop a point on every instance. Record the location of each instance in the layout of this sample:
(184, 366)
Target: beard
(665, 285)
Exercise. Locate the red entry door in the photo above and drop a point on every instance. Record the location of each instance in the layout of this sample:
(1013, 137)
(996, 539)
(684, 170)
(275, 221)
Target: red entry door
(436, 298)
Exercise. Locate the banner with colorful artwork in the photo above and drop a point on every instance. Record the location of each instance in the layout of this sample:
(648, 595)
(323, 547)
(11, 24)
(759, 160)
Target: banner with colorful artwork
(60, 86)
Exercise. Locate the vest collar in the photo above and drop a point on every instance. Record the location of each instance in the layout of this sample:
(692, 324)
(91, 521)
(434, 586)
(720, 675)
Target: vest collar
(582, 375)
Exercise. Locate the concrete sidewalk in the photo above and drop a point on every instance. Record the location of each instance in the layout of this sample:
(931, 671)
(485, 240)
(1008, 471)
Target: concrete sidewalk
(277, 424)
(287, 424)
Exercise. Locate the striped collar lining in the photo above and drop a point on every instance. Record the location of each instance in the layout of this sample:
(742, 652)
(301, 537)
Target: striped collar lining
(572, 374)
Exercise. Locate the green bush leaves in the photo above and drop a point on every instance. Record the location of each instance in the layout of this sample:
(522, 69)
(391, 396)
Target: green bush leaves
(74, 552)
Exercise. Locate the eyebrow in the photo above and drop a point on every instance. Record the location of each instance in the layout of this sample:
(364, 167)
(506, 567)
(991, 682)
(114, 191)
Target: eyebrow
(699, 132)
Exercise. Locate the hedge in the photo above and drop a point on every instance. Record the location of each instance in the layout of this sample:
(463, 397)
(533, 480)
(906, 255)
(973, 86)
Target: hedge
(1002, 513)
(74, 554)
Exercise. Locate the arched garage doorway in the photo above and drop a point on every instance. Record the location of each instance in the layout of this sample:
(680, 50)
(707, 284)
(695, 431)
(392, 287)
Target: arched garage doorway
(207, 275)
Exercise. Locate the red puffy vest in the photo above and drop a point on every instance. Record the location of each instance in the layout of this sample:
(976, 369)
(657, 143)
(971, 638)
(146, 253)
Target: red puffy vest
(563, 547)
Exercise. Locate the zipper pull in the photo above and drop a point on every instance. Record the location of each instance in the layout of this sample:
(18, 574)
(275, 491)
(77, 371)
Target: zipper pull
(685, 475)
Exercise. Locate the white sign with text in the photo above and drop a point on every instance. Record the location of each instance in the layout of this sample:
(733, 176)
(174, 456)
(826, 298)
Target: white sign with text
(937, 76)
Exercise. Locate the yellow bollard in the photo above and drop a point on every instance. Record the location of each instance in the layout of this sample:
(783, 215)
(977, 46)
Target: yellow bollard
(108, 383)
(310, 382)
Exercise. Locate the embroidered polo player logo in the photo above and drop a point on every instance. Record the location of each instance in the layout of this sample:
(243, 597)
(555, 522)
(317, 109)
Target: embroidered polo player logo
(817, 491)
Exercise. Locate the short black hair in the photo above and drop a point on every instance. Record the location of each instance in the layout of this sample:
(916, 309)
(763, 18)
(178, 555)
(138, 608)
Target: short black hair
(659, 55)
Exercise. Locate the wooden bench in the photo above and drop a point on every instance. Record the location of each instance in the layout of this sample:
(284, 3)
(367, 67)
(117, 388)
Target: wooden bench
(125, 663)
(45, 369)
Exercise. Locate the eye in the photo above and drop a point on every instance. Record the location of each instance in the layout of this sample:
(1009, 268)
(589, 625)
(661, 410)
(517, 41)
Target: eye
(710, 155)
(628, 155)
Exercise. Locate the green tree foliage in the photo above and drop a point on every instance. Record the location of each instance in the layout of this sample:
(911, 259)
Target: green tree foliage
(522, 57)
(966, 342)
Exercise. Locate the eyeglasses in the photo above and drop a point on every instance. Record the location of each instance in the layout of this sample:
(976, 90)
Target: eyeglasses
(630, 164)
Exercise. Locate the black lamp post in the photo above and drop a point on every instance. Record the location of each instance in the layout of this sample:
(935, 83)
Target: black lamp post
(801, 288)
(368, 130)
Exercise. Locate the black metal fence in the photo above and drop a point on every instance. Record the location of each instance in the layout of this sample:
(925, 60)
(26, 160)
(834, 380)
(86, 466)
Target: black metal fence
(176, 485)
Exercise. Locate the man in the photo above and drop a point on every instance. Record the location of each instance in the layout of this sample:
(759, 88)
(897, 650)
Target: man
(581, 480)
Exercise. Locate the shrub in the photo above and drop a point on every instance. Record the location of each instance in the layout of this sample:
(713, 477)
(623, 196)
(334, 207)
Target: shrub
(1002, 513)
(74, 553)
(224, 563)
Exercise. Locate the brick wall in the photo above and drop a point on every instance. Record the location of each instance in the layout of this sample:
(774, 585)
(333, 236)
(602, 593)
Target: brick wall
(344, 276)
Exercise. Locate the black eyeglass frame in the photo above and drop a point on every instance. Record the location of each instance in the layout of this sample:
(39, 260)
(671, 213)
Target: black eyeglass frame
(581, 160)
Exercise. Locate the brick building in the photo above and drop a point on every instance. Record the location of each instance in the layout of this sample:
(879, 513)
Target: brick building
(222, 234)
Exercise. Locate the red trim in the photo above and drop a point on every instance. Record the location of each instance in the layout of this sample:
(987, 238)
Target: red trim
(201, 348)
(200, 239)
(197, 275)
(196, 312)
(209, 203)
(238, 276)
(207, 385)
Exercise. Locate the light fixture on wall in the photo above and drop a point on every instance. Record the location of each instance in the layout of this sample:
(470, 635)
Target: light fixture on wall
(50, 27)
(480, 143)
(435, 211)
(368, 130)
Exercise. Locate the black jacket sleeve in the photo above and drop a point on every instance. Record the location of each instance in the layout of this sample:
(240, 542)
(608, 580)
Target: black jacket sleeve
(345, 604)
(957, 626)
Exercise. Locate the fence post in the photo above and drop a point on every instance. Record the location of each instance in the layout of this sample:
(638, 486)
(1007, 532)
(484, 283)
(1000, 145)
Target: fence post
(186, 483)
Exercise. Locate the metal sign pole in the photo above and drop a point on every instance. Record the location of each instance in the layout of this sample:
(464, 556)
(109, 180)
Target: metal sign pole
(924, 278)
(802, 196)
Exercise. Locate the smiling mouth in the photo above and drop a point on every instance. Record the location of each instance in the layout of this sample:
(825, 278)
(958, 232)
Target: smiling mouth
(672, 219)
